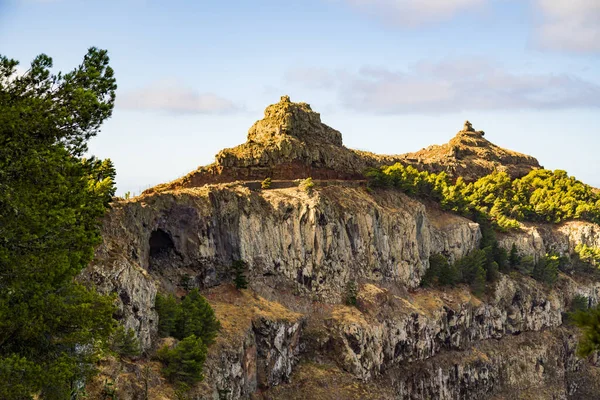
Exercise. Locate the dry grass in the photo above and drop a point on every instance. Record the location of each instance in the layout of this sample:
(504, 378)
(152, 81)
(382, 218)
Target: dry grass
(325, 382)
(236, 309)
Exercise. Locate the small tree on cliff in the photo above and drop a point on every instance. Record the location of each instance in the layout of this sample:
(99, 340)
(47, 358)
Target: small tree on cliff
(239, 270)
(589, 323)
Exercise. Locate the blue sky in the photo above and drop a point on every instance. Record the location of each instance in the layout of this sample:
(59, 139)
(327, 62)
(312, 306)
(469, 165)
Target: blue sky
(392, 75)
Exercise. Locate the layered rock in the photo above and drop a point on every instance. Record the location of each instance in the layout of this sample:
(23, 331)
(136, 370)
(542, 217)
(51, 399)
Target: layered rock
(389, 330)
(312, 245)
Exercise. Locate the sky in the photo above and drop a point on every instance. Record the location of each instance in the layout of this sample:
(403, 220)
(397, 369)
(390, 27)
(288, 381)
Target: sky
(393, 76)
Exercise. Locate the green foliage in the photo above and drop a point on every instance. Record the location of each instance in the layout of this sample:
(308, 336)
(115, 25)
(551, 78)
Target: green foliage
(472, 270)
(546, 269)
(109, 392)
(589, 323)
(307, 185)
(51, 202)
(185, 361)
(125, 343)
(351, 293)
(192, 315)
(540, 196)
(239, 271)
(169, 312)
(266, 184)
(526, 265)
(588, 255)
(197, 318)
(514, 258)
(579, 303)
(439, 272)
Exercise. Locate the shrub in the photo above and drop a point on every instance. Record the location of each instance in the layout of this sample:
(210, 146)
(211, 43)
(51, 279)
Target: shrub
(307, 185)
(514, 259)
(526, 265)
(266, 184)
(589, 323)
(579, 303)
(588, 255)
(184, 362)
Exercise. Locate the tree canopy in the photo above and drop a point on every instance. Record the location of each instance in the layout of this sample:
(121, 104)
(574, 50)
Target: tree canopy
(540, 196)
(51, 202)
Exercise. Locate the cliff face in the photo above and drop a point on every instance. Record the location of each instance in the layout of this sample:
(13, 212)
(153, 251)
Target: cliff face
(302, 250)
(290, 335)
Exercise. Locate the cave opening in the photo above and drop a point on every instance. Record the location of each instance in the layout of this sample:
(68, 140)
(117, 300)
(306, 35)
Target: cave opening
(161, 246)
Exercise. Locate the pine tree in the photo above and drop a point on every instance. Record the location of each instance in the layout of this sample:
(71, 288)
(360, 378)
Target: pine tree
(125, 343)
(514, 259)
(184, 362)
(197, 318)
(169, 312)
(589, 323)
(239, 268)
(51, 202)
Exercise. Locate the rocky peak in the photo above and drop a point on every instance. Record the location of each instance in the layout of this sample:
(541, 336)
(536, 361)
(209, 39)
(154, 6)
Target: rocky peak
(470, 155)
(292, 119)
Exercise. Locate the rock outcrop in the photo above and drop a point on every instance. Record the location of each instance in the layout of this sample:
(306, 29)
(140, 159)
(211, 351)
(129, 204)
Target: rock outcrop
(291, 142)
(302, 250)
(470, 156)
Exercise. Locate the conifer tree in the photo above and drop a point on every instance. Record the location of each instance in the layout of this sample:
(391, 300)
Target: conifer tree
(51, 203)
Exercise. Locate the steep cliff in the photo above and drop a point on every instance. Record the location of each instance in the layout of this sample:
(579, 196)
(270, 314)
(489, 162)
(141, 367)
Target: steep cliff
(302, 250)
(291, 333)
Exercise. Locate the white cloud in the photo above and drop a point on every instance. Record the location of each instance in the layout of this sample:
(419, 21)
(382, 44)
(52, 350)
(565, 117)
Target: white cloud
(458, 85)
(414, 12)
(174, 97)
(572, 25)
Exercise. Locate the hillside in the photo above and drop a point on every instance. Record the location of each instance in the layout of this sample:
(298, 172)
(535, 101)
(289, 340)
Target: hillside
(300, 330)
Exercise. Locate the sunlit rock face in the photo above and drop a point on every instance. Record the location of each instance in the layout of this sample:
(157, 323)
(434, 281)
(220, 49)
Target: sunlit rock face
(304, 250)
(471, 156)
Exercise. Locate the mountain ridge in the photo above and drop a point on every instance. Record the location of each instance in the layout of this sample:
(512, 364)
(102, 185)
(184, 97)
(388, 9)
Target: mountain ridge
(291, 142)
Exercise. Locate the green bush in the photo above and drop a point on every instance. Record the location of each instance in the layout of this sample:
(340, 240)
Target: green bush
(125, 343)
(589, 323)
(307, 185)
(588, 255)
(526, 265)
(184, 362)
(169, 312)
(266, 184)
(546, 269)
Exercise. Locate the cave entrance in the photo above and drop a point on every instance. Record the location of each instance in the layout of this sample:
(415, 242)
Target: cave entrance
(162, 248)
